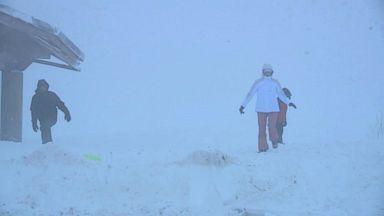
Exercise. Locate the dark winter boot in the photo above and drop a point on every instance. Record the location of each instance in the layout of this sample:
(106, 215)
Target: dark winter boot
(46, 135)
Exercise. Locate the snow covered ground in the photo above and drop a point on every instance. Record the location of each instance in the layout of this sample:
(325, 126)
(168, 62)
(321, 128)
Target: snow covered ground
(187, 175)
(155, 126)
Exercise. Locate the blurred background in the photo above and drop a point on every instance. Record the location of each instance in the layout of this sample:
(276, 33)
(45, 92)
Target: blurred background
(180, 66)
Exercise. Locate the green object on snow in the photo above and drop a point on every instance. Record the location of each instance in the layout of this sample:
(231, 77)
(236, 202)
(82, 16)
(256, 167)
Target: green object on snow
(92, 157)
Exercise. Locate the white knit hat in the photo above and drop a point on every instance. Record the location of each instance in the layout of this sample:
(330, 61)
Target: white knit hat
(267, 67)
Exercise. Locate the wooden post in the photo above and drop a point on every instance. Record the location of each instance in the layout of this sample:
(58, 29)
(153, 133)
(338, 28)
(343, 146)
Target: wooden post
(11, 106)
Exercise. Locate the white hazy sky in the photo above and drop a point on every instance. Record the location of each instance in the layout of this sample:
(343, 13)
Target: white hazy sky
(167, 65)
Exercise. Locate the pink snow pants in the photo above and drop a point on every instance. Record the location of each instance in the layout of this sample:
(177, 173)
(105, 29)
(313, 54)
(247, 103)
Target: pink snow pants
(272, 130)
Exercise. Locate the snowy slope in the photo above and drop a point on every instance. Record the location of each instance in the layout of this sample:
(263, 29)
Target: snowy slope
(185, 177)
(155, 127)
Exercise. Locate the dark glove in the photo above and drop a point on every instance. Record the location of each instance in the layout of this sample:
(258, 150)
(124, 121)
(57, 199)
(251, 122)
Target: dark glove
(35, 127)
(292, 105)
(67, 117)
(241, 110)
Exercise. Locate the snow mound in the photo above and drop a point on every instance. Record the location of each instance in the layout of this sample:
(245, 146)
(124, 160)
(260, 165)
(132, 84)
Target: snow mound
(51, 154)
(207, 158)
(247, 212)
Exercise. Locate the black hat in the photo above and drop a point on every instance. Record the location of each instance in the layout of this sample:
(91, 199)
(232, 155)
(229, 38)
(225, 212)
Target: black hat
(41, 83)
(287, 92)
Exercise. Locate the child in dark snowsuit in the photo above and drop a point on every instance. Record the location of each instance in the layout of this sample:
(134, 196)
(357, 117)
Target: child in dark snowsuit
(44, 109)
(282, 117)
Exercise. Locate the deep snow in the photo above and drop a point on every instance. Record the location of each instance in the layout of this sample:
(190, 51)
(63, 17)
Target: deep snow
(182, 176)
(157, 101)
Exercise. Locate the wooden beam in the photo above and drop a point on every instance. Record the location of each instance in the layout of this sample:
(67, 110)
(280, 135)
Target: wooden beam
(54, 64)
(11, 106)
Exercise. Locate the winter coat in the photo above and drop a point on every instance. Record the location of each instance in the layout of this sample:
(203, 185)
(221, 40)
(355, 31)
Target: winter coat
(44, 107)
(267, 92)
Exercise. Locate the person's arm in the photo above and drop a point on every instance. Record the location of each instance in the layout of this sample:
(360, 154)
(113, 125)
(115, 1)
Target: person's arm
(281, 95)
(250, 94)
(60, 104)
(33, 114)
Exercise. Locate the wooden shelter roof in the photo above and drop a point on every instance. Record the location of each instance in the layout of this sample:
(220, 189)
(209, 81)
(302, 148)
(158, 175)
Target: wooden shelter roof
(25, 39)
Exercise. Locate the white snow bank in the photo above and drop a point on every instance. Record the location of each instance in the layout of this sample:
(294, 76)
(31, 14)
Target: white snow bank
(52, 155)
(208, 158)
(298, 179)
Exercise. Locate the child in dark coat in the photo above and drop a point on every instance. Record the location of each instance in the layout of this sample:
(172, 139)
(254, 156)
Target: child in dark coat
(282, 117)
(44, 109)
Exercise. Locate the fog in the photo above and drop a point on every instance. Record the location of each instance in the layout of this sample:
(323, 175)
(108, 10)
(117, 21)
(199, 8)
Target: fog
(172, 74)
(170, 65)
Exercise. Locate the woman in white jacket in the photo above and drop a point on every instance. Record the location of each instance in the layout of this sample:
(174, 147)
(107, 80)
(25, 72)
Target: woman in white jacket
(267, 92)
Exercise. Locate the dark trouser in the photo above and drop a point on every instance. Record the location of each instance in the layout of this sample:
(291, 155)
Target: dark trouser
(45, 128)
(263, 118)
(280, 129)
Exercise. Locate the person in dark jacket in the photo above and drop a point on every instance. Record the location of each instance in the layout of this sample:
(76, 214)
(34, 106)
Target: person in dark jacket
(44, 108)
(282, 117)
